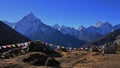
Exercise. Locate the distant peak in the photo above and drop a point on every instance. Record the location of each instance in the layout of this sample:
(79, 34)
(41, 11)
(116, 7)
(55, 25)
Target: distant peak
(56, 24)
(30, 18)
(101, 23)
(64, 26)
(81, 28)
(31, 15)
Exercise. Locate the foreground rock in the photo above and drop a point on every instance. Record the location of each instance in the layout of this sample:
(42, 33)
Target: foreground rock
(30, 60)
(40, 59)
(37, 46)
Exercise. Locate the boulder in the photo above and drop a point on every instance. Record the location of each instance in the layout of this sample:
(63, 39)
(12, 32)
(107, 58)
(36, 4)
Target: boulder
(37, 46)
(40, 59)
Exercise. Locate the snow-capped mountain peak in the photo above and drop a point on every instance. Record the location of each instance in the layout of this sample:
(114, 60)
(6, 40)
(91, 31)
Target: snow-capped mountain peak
(102, 23)
(81, 28)
(28, 23)
(30, 16)
(32, 27)
(56, 26)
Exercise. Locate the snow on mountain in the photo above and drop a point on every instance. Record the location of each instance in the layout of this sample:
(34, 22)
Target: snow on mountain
(81, 28)
(88, 34)
(66, 30)
(33, 28)
(31, 24)
(104, 27)
(56, 26)
(91, 33)
(100, 23)
(28, 24)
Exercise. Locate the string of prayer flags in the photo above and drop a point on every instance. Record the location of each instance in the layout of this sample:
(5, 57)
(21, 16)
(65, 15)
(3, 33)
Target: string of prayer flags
(14, 45)
(26, 44)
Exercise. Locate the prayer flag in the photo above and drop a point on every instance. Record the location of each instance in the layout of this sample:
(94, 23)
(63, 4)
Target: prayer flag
(13, 45)
(46, 43)
(50, 44)
(3, 46)
(22, 44)
(18, 45)
(9, 46)
(63, 47)
(26, 43)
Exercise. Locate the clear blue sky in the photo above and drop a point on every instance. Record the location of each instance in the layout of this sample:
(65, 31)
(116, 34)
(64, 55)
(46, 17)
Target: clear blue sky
(67, 12)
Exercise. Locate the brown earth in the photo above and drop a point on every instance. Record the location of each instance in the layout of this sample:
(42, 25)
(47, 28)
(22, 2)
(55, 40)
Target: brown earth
(90, 60)
(73, 59)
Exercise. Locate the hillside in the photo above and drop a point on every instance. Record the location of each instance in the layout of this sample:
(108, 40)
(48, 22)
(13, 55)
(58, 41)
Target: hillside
(9, 35)
(112, 37)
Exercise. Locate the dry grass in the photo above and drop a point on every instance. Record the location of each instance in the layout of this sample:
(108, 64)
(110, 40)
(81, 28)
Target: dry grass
(70, 60)
(90, 60)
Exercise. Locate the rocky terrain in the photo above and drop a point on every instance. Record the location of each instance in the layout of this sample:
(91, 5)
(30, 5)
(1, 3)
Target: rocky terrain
(74, 59)
(41, 56)
(112, 38)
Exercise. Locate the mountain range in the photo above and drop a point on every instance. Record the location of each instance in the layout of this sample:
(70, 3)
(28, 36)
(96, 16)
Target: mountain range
(100, 29)
(111, 38)
(34, 28)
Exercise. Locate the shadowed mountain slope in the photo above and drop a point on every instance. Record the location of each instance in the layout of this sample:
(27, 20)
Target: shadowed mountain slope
(112, 37)
(9, 35)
